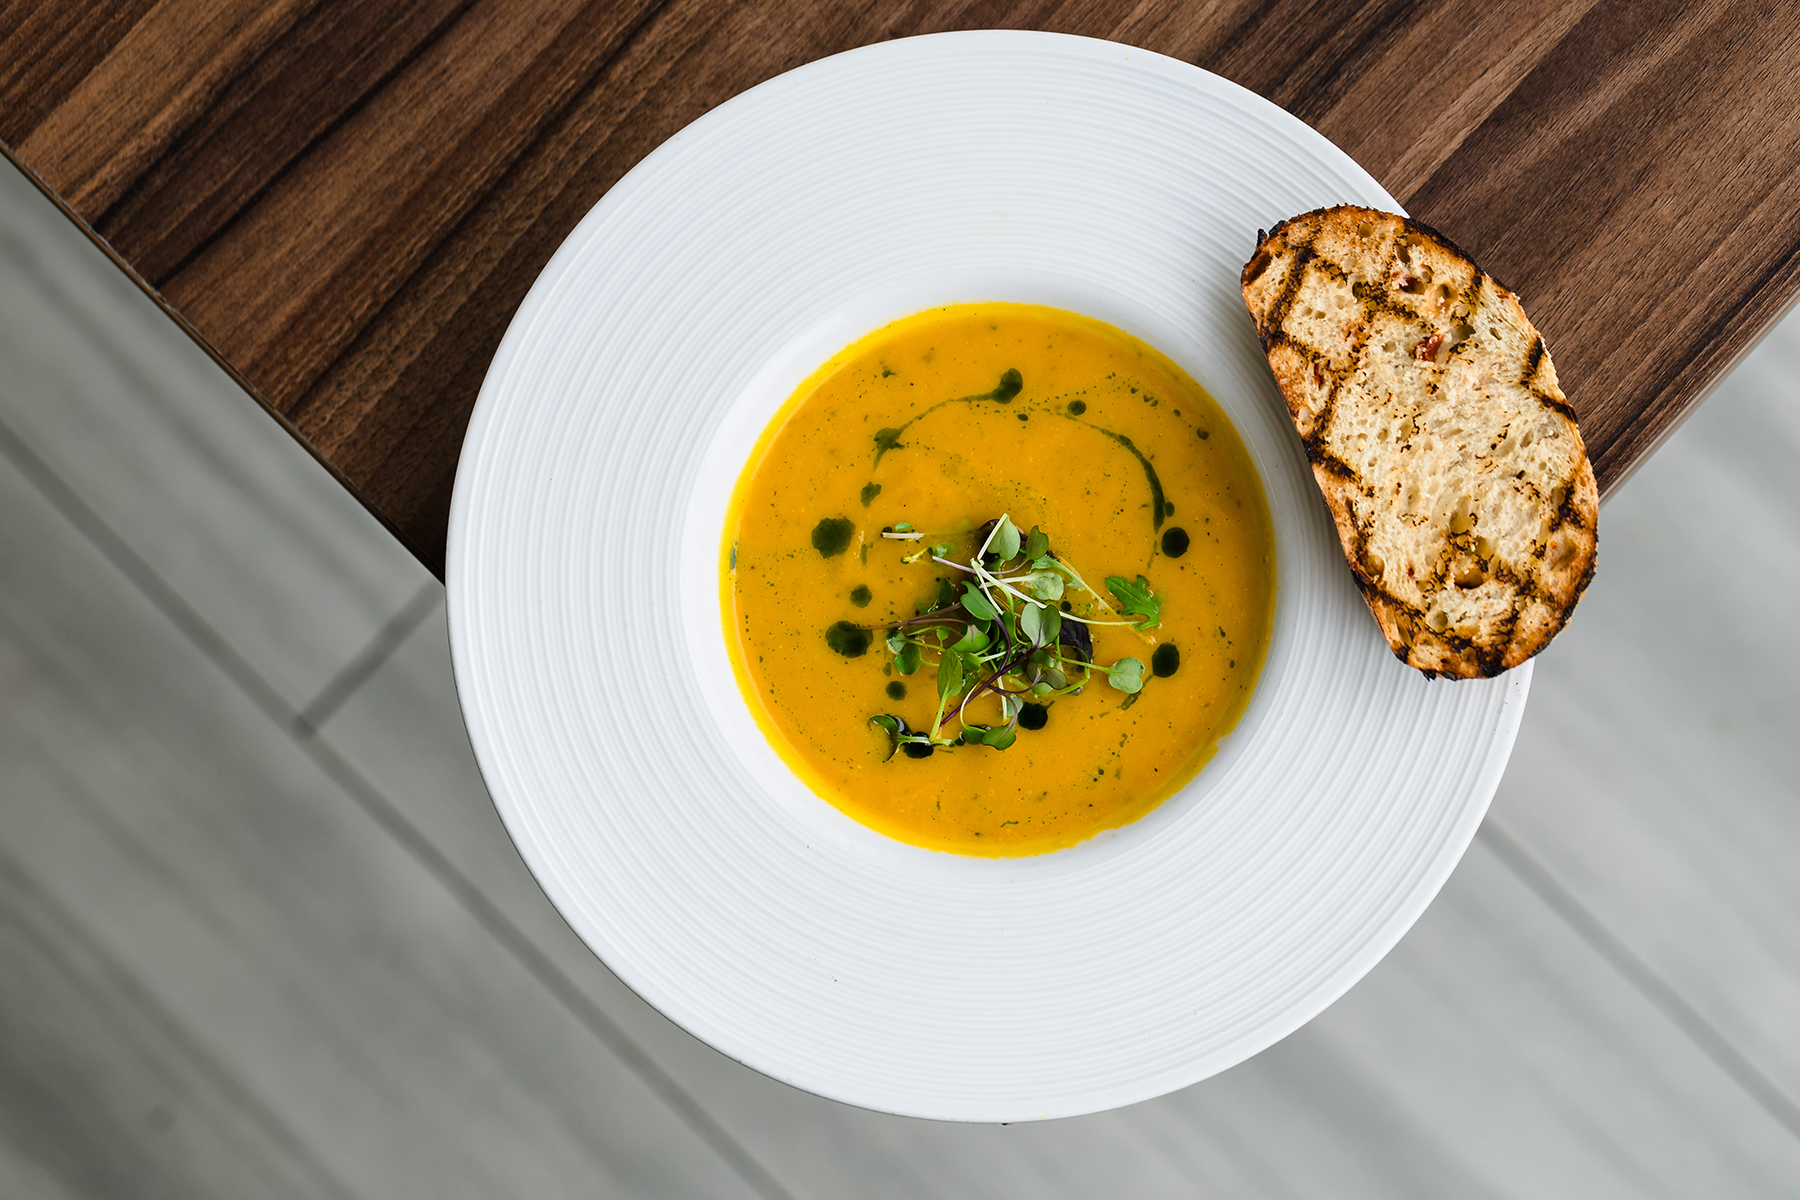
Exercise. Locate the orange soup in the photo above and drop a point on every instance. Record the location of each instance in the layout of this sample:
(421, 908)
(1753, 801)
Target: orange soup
(1095, 666)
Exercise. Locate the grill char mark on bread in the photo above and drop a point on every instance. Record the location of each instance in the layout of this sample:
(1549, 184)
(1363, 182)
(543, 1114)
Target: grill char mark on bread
(1437, 432)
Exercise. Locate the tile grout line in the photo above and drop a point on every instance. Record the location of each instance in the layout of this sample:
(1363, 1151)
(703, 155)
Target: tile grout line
(376, 651)
(141, 575)
(1662, 996)
(545, 971)
(166, 600)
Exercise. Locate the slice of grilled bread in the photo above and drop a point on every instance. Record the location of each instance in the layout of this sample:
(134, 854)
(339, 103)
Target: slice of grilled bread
(1450, 459)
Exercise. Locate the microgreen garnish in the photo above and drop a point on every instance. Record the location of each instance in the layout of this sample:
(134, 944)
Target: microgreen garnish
(1137, 600)
(1012, 621)
(895, 728)
(1127, 675)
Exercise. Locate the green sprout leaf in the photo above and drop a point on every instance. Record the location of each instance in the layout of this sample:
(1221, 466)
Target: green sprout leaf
(1037, 544)
(973, 641)
(1137, 600)
(1127, 675)
(977, 604)
(894, 727)
(1031, 624)
(950, 676)
(997, 736)
(1040, 624)
(1004, 544)
(906, 660)
(1045, 585)
(946, 597)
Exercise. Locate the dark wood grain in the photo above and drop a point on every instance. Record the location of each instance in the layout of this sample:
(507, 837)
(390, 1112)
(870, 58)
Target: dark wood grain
(348, 201)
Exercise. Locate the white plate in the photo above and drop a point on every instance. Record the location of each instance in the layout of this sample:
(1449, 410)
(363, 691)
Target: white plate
(584, 612)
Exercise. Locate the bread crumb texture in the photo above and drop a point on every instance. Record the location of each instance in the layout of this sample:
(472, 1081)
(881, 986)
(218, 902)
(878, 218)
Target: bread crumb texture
(1448, 455)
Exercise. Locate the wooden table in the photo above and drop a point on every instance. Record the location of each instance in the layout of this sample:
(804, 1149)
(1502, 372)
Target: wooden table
(347, 199)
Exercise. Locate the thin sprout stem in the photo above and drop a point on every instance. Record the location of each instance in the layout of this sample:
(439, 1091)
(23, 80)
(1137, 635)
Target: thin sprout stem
(987, 576)
(989, 540)
(1005, 637)
(1069, 616)
(948, 563)
(992, 682)
(960, 708)
(1084, 585)
(941, 617)
(937, 722)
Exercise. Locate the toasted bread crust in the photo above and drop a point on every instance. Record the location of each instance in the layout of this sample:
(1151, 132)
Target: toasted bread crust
(1449, 457)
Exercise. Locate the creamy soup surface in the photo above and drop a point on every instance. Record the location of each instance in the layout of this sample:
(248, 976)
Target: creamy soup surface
(939, 424)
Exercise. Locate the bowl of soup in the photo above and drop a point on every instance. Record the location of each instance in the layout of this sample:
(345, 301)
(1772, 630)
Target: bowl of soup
(850, 553)
(759, 549)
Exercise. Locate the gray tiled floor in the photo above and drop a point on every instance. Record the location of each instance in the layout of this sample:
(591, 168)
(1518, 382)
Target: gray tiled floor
(263, 933)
